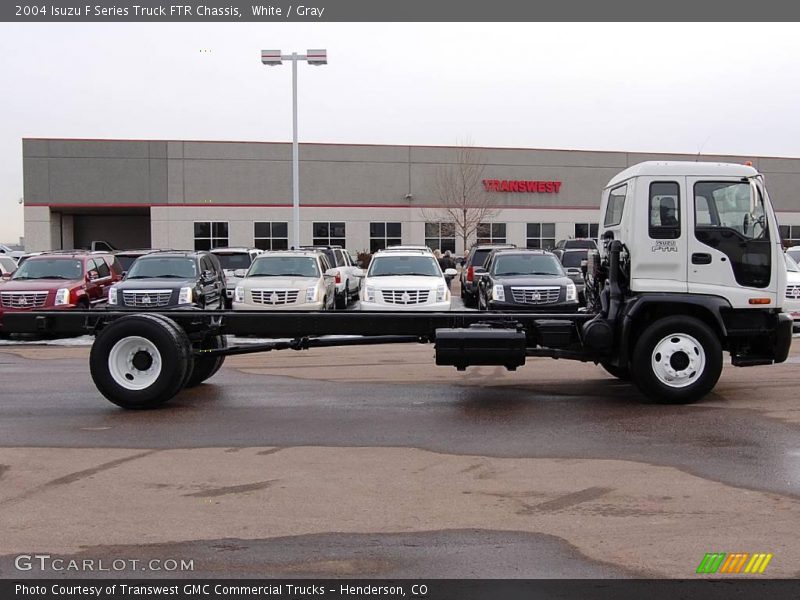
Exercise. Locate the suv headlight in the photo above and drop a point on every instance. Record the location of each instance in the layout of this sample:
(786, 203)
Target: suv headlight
(185, 297)
(112, 295)
(369, 294)
(238, 294)
(498, 293)
(441, 293)
(62, 296)
(311, 294)
(572, 292)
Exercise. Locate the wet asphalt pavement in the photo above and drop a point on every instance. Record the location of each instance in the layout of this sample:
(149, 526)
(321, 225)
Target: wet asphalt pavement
(738, 446)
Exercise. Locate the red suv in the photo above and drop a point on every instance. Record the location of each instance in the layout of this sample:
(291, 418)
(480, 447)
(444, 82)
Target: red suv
(60, 280)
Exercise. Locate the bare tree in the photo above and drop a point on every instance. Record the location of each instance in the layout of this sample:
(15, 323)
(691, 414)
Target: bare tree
(462, 198)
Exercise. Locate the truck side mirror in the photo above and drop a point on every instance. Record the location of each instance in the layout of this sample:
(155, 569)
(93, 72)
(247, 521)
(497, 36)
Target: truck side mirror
(92, 275)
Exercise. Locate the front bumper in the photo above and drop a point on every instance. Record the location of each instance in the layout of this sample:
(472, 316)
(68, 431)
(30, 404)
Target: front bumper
(427, 307)
(560, 307)
(309, 306)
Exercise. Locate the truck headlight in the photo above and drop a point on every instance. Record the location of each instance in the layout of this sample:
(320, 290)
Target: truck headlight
(238, 294)
(112, 295)
(498, 293)
(311, 294)
(441, 293)
(572, 292)
(62, 296)
(369, 294)
(185, 296)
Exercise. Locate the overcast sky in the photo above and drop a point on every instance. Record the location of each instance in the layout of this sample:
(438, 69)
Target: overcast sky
(722, 88)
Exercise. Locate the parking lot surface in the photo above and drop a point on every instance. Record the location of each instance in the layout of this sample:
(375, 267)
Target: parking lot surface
(373, 462)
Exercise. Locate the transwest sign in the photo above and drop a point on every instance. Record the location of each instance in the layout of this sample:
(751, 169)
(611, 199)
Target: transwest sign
(521, 186)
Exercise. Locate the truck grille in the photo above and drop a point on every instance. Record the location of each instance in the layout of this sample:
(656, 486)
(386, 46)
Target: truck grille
(274, 297)
(535, 295)
(405, 296)
(147, 298)
(23, 299)
(793, 292)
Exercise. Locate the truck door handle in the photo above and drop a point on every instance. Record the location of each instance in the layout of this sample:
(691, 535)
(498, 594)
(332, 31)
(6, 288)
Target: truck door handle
(701, 258)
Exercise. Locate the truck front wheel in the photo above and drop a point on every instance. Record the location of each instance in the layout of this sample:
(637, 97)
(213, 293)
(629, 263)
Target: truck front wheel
(141, 361)
(677, 360)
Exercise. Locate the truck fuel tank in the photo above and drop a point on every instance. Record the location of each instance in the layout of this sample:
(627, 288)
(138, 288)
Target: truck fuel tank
(480, 345)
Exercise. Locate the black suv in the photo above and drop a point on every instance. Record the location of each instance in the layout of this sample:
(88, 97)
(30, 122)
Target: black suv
(525, 280)
(476, 258)
(171, 279)
(572, 260)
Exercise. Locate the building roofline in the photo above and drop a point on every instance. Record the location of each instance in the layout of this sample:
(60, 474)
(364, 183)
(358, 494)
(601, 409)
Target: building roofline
(439, 146)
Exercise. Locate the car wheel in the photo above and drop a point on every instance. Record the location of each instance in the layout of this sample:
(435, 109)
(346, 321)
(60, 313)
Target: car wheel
(677, 360)
(141, 361)
(340, 300)
(206, 366)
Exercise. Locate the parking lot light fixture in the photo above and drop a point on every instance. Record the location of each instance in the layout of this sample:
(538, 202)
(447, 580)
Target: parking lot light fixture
(273, 58)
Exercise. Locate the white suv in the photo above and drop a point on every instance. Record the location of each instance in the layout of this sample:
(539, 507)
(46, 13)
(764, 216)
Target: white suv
(287, 280)
(405, 280)
(792, 303)
(235, 262)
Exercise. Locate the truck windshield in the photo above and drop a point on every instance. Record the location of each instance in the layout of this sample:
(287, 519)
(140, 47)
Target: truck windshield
(730, 205)
(231, 261)
(284, 266)
(50, 268)
(527, 264)
(175, 267)
(385, 266)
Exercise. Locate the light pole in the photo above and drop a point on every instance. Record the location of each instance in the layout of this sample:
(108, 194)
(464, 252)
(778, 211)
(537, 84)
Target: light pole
(273, 58)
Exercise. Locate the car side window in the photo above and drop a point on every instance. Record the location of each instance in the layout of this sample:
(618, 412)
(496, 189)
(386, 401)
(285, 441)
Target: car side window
(102, 268)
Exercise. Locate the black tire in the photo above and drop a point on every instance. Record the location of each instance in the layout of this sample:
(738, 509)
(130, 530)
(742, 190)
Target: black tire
(206, 366)
(176, 360)
(623, 373)
(340, 300)
(699, 378)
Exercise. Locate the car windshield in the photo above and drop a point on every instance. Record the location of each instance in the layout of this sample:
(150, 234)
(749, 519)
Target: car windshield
(8, 263)
(233, 261)
(527, 264)
(573, 259)
(284, 266)
(791, 264)
(479, 258)
(126, 261)
(148, 267)
(794, 254)
(384, 266)
(50, 268)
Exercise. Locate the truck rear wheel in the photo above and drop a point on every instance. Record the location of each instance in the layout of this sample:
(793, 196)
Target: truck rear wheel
(206, 366)
(677, 360)
(140, 361)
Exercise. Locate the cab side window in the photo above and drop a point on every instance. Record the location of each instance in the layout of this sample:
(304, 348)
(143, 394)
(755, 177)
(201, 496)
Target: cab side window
(665, 206)
(615, 206)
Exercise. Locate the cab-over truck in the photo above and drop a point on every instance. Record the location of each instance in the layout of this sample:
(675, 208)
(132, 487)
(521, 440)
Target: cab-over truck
(689, 266)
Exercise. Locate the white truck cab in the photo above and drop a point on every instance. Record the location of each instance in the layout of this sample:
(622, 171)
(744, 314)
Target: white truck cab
(690, 264)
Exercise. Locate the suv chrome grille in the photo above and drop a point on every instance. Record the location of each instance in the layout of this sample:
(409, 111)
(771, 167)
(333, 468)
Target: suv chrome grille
(405, 297)
(146, 298)
(535, 295)
(23, 299)
(793, 292)
(274, 297)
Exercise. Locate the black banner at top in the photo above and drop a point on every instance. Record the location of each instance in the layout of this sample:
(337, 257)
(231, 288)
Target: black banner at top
(276, 11)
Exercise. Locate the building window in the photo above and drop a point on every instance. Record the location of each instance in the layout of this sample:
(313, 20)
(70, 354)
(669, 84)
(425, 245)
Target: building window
(491, 233)
(382, 235)
(790, 234)
(271, 235)
(541, 236)
(210, 234)
(586, 230)
(329, 234)
(440, 236)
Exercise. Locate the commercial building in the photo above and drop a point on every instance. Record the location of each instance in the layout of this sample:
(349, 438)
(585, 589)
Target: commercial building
(200, 194)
